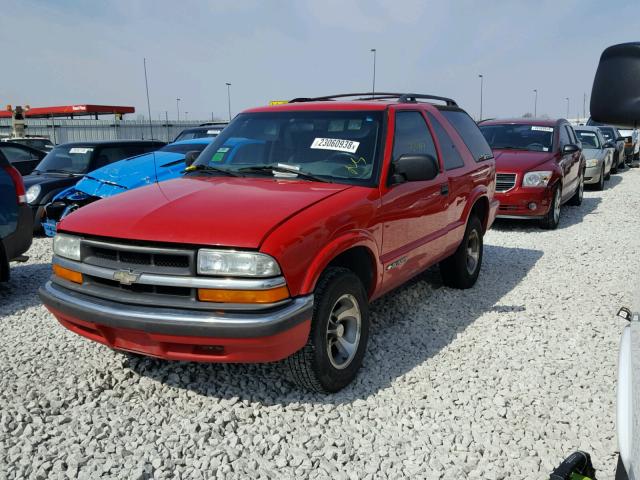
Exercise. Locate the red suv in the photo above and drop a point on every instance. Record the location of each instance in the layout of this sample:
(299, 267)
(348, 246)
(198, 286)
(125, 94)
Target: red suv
(539, 165)
(272, 244)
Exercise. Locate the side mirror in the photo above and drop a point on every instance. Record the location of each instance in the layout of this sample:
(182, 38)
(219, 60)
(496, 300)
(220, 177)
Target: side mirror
(191, 157)
(414, 168)
(621, 139)
(570, 148)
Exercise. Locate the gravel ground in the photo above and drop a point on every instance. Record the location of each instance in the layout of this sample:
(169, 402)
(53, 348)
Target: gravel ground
(500, 381)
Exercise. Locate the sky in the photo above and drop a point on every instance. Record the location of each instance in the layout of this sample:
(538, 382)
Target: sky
(59, 52)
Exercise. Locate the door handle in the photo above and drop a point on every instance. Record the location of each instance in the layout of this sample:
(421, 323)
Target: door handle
(444, 189)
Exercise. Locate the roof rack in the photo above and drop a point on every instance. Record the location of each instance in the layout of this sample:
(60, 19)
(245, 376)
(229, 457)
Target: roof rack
(402, 97)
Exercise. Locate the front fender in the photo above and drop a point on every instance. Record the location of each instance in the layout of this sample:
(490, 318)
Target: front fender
(336, 247)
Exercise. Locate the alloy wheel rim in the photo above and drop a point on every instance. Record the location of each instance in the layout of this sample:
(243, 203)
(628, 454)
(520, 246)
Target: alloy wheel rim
(556, 206)
(343, 331)
(473, 251)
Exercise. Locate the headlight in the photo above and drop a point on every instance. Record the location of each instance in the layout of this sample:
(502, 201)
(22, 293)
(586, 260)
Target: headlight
(242, 264)
(536, 179)
(592, 162)
(66, 246)
(33, 193)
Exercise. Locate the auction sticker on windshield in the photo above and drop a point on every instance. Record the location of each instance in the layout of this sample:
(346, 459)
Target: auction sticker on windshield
(80, 150)
(337, 144)
(542, 129)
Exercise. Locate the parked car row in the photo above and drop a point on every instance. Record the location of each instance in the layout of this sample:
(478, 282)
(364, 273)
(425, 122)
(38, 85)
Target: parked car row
(544, 164)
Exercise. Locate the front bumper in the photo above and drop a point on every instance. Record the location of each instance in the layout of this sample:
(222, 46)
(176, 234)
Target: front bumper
(515, 203)
(184, 334)
(592, 174)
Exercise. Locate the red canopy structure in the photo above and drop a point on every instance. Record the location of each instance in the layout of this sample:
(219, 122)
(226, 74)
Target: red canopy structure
(72, 111)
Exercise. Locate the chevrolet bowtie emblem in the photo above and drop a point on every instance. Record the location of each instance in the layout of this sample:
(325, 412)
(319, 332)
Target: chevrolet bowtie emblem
(125, 277)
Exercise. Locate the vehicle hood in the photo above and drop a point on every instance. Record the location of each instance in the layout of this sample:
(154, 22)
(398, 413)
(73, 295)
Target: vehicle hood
(519, 160)
(132, 173)
(593, 153)
(222, 211)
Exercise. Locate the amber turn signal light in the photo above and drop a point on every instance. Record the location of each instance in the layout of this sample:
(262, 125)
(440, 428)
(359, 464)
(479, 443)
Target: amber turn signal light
(65, 273)
(243, 296)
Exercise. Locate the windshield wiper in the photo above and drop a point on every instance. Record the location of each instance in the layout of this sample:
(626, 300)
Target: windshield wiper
(58, 170)
(272, 169)
(209, 169)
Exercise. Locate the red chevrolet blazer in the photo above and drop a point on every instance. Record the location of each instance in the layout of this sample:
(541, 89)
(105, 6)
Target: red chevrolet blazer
(539, 167)
(276, 238)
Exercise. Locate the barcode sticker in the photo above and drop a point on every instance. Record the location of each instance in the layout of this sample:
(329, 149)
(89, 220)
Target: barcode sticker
(80, 150)
(542, 129)
(337, 144)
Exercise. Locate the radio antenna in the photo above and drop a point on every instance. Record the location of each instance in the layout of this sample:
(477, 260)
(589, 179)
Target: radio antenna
(146, 84)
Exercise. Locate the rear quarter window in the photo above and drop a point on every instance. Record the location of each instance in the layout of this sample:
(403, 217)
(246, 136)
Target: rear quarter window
(470, 134)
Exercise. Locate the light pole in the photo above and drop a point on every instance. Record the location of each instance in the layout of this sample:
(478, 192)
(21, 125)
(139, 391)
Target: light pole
(373, 90)
(186, 114)
(535, 103)
(567, 99)
(178, 107)
(481, 77)
(229, 98)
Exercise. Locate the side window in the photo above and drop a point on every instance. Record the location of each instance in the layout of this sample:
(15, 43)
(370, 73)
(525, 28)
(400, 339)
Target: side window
(450, 156)
(16, 154)
(564, 137)
(470, 133)
(108, 155)
(412, 136)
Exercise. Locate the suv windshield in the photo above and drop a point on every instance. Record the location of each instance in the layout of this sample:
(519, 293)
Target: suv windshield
(67, 159)
(198, 147)
(335, 146)
(589, 139)
(519, 136)
(198, 133)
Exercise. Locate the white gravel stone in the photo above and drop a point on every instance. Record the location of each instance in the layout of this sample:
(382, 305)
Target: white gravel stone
(500, 381)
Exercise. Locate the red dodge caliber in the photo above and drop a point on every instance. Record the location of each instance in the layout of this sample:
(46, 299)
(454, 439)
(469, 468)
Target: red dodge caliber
(278, 235)
(539, 167)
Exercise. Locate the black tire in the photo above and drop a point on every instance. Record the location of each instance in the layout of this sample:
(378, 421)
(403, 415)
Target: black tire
(314, 367)
(576, 200)
(552, 218)
(600, 184)
(4, 265)
(614, 164)
(456, 270)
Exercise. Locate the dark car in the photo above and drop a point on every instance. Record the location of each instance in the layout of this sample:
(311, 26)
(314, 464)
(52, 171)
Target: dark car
(68, 163)
(23, 158)
(205, 130)
(39, 143)
(616, 141)
(16, 230)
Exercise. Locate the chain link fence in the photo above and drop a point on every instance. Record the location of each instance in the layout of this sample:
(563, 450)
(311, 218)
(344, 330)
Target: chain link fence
(80, 130)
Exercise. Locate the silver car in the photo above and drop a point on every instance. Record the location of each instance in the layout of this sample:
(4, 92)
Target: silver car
(599, 158)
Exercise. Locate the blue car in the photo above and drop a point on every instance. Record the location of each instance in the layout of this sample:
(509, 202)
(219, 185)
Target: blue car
(163, 164)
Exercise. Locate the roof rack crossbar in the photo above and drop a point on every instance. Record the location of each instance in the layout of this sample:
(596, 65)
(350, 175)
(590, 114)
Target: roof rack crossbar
(402, 97)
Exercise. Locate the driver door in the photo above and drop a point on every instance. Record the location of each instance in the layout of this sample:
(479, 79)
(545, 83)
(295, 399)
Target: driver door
(414, 213)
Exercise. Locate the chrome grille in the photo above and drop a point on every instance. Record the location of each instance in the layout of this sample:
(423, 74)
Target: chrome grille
(167, 261)
(505, 181)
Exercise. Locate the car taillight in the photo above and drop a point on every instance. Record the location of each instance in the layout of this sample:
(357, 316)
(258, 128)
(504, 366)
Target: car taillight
(19, 184)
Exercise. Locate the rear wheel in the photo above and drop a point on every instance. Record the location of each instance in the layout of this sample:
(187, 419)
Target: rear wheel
(461, 269)
(339, 332)
(576, 200)
(614, 164)
(552, 218)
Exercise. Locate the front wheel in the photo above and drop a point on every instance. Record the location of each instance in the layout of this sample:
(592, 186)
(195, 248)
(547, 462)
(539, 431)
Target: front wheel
(461, 269)
(600, 184)
(339, 332)
(552, 218)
